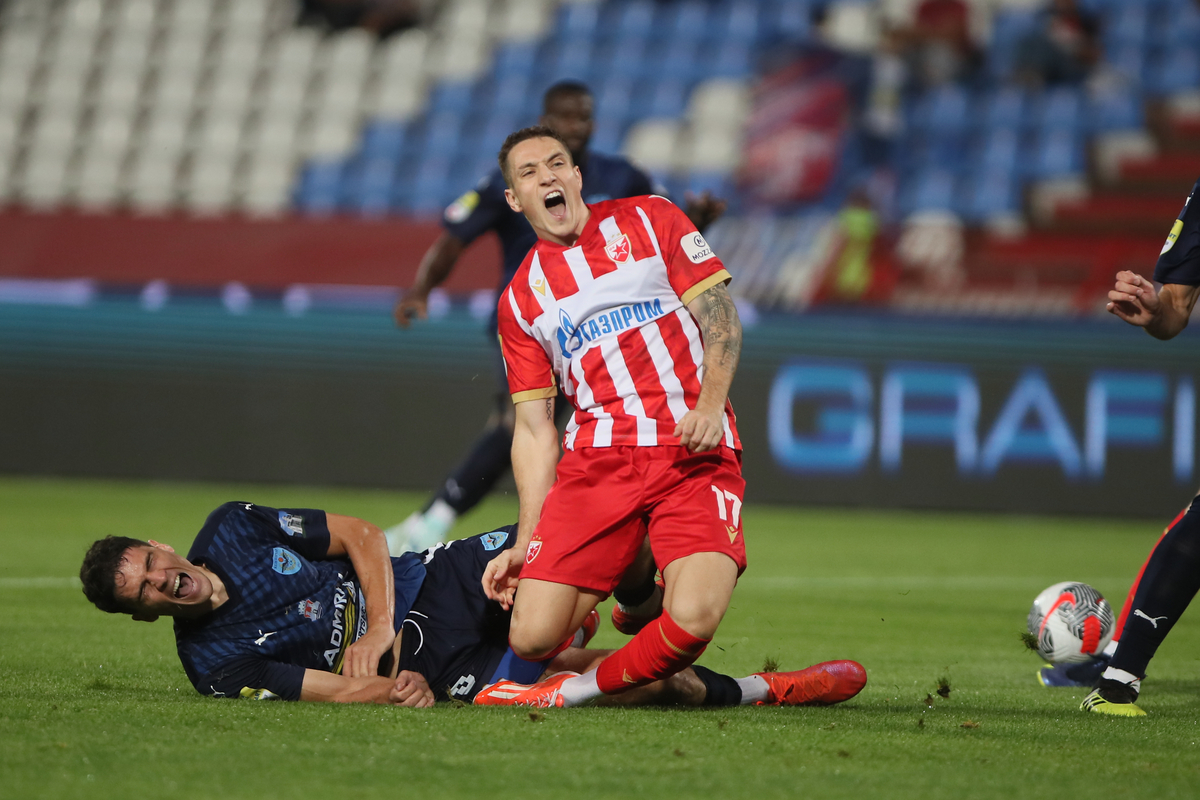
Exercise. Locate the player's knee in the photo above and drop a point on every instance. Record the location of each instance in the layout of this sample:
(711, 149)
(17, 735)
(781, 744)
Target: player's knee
(532, 645)
(700, 620)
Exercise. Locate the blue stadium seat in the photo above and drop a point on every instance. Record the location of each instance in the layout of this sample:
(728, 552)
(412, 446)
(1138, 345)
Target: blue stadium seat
(429, 185)
(990, 194)
(1115, 111)
(1180, 27)
(682, 59)
(622, 58)
(579, 20)
(614, 99)
(367, 187)
(635, 19)
(790, 19)
(698, 182)
(1008, 28)
(1127, 24)
(499, 126)
(1177, 71)
(319, 188)
(737, 20)
(930, 190)
(945, 109)
(452, 96)
(1006, 108)
(1062, 108)
(684, 21)
(1000, 151)
(384, 139)
(732, 60)
(1058, 153)
(609, 133)
(442, 134)
(511, 95)
(1130, 61)
(515, 60)
(574, 58)
(666, 98)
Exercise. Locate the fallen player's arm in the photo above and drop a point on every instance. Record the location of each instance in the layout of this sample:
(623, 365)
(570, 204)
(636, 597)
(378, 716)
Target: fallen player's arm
(535, 452)
(703, 427)
(409, 689)
(367, 549)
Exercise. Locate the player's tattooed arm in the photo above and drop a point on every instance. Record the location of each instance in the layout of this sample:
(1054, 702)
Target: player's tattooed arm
(703, 427)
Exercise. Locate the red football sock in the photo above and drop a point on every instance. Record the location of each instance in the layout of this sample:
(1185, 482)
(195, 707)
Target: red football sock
(658, 651)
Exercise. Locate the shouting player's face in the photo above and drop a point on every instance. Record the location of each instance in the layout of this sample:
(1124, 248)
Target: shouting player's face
(548, 189)
(155, 581)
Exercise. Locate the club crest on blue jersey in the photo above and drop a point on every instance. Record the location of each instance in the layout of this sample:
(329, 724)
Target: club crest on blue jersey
(309, 609)
(284, 561)
(291, 524)
(494, 540)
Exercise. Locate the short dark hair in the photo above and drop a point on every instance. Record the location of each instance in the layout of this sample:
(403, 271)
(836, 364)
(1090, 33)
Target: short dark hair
(99, 572)
(564, 89)
(524, 135)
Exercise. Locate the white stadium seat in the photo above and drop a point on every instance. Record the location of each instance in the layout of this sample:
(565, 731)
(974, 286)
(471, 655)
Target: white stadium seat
(111, 134)
(721, 102)
(652, 144)
(713, 150)
(525, 20)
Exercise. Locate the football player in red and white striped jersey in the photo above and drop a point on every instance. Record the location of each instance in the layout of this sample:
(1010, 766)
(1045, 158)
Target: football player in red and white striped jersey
(624, 306)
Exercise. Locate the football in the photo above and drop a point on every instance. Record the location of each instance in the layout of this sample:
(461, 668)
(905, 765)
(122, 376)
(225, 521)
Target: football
(1072, 622)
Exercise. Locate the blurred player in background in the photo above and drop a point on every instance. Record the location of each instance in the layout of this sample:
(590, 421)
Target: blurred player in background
(567, 110)
(1170, 577)
(293, 604)
(623, 306)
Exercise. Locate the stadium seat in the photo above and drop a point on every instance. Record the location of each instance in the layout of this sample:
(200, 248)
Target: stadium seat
(1127, 25)
(929, 190)
(1062, 109)
(989, 195)
(1000, 151)
(442, 134)
(609, 133)
(684, 21)
(452, 98)
(635, 19)
(738, 20)
(1006, 108)
(1008, 28)
(732, 60)
(1058, 153)
(515, 60)
(614, 100)
(1176, 72)
(653, 144)
(1115, 110)
(383, 139)
(942, 110)
(579, 20)
(320, 187)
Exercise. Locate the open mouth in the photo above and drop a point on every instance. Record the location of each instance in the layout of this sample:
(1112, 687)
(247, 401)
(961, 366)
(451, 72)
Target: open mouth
(183, 586)
(556, 204)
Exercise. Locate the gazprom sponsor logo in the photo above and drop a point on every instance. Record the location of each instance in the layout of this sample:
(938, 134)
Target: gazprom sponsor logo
(571, 338)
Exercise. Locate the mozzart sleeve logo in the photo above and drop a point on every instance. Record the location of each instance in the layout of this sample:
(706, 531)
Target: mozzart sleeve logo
(696, 248)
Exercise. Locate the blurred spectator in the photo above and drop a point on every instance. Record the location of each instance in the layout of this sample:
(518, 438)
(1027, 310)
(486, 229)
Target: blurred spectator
(883, 115)
(381, 17)
(1063, 48)
(943, 51)
(856, 269)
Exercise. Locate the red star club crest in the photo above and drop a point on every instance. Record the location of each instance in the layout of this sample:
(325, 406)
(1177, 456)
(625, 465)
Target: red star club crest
(535, 547)
(618, 249)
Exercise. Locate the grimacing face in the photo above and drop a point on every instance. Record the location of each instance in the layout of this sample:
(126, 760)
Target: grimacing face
(547, 188)
(156, 581)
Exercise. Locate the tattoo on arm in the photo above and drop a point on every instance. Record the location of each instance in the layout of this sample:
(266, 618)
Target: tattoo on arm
(720, 325)
(550, 408)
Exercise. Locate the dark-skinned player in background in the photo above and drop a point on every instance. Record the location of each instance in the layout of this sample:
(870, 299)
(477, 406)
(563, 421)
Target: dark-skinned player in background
(567, 110)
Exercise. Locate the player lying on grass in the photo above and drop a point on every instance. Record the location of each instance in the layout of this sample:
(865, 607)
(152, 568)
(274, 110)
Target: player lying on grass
(1170, 577)
(303, 605)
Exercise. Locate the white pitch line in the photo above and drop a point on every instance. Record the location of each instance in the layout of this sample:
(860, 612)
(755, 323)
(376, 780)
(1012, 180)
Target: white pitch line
(39, 583)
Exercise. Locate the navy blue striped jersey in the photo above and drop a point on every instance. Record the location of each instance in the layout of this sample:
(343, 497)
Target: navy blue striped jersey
(484, 208)
(1179, 261)
(289, 608)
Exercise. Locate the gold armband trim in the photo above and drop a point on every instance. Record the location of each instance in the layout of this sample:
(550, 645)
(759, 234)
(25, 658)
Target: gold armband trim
(720, 276)
(535, 394)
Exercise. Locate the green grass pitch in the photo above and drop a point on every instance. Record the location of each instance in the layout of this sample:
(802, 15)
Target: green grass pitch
(97, 706)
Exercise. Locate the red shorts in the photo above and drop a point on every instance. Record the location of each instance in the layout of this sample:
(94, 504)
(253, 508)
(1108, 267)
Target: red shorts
(606, 499)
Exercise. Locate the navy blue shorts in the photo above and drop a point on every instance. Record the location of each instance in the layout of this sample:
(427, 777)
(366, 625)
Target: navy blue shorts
(454, 635)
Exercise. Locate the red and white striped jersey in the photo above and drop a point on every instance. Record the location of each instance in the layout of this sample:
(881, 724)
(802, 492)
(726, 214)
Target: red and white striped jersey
(607, 320)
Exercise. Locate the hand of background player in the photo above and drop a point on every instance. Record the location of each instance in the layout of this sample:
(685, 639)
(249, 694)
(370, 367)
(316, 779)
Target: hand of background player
(412, 304)
(1134, 299)
(411, 690)
(703, 210)
(501, 575)
(701, 430)
(362, 658)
